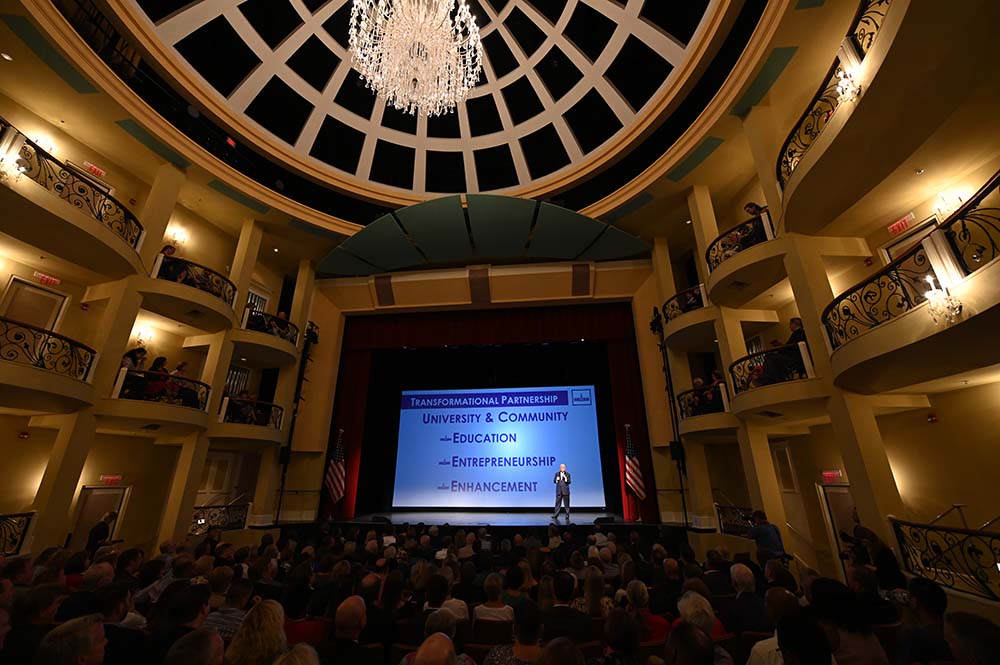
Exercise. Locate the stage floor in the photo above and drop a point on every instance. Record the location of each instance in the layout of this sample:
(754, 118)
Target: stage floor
(476, 518)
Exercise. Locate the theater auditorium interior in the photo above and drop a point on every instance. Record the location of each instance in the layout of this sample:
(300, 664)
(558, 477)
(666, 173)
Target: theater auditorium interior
(494, 332)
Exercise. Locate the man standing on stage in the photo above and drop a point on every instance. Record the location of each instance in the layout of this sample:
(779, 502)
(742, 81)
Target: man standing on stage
(562, 481)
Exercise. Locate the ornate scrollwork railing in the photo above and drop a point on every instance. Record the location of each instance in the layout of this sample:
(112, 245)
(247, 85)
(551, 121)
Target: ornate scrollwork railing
(38, 165)
(251, 412)
(272, 325)
(226, 518)
(13, 530)
(973, 232)
(685, 301)
(44, 349)
(734, 521)
(741, 237)
(897, 288)
(182, 271)
(777, 365)
(867, 23)
(699, 401)
(161, 387)
(961, 559)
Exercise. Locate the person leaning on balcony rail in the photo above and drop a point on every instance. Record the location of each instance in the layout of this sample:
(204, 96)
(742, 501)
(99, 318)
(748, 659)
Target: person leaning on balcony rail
(782, 364)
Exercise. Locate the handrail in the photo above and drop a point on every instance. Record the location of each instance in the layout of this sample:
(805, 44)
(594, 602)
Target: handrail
(45, 349)
(985, 220)
(684, 301)
(13, 532)
(744, 235)
(203, 278)
(146, 386)
(249, 411)
(229, 517)
(37, 164)
(266, 323)
(690, 405)
(780, 364)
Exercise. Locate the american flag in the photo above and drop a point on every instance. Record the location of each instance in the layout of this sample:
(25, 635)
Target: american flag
(335, 480)
(633, 474)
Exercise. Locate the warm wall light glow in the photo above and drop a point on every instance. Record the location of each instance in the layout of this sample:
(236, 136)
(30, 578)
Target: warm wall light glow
(176, 235)
(847, 87)
(947, 203)
(142, 335)
(45, 143)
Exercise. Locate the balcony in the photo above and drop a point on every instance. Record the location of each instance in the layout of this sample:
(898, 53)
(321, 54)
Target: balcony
(43, 371)
(778, 383)
(58, 210)
(705, 414)
(190, 293)
(686, 301)
(144, 402)
(265, 340)
(14, 530)
(884, 331)
(744, 262)
(231, 517)
(246, 419)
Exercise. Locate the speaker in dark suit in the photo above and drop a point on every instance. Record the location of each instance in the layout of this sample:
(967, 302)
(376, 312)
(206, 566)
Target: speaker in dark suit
(562, 480)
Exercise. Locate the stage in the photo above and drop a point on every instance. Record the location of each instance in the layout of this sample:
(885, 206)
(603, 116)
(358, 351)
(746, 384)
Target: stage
(478, 518)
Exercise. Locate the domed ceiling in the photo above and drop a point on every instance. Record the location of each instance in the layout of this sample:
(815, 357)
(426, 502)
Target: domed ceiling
(564, 81)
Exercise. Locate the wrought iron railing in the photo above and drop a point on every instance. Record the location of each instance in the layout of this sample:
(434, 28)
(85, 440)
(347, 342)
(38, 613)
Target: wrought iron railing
(778, 365)
(699, 401)
(161, 387)
(251, 412)
(741, 237)
(13, 530)
(38, 165)
(961, 559)
(44, 349)
(270, 324)
(225, 518)
(973, 232)
(863, 31)
(182, 271)
(734, 521)
(685, 301)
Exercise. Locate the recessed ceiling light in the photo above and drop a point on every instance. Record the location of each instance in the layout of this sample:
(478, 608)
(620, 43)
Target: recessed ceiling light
(716, 341)
(243, 360)
(7, 56)
(275, 250)
(688, 222)
(919, 171)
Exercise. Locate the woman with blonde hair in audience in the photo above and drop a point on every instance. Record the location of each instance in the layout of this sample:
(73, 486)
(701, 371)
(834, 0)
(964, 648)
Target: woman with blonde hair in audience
(261, 637)
(593, 603)
(300, 654)
(529, 584)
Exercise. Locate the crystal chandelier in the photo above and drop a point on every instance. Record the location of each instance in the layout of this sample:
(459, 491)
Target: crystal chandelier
(421, 55)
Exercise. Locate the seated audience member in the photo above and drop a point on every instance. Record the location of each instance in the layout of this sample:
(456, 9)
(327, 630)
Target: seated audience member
(877, 610)
(561, 651)
(32, 617)
(199, 647)
(182, 609)
(439, 596)
(695, 608)
(79, 641)
(4, 623)
(666, 588)
(780, 604)
(513, 580)
(467, 590)
(621, 640)
(300, 654)
(803, 642)
(527, 632)
(851, 636)
(973, 640)
(260, 638)
(562, 620)
(437, 649)
(382, 614)
(218, 581)
(299, 627)
(926, 642)
(125, 645)
(345, 649)
(716, 575)
(593, 603)
(493, 609)
(84, 600)
(610, 568)
(777, 575)
(745, 612)
(262, 573)
(689, 645)
(546, 592)
(652, 628)
(127, 567)
(441, 622)
(227, 619)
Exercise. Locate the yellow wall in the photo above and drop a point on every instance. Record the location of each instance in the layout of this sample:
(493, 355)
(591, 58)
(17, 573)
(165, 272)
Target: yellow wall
(75, 323)
(25, 461)
(206, 243)
(729, 483)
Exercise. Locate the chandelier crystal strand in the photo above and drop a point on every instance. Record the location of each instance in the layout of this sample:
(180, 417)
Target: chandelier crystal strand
(422, 56)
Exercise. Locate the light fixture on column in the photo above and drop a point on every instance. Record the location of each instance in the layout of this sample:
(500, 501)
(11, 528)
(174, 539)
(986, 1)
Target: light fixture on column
(847, 89)
(941, 304)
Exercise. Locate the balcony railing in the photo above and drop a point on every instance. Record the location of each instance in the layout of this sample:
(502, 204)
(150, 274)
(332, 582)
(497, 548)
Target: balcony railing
(189, 273)
(734, 521)
(864, 29)
(272, 325)
(13, 530)
(251, 412)
(44, 349)
(225, 518)
(961, 559)
(778, 365)
(36, 164)
(161, 387)
(739, 238)
(973, 240)
(686, 301)
(699, 401)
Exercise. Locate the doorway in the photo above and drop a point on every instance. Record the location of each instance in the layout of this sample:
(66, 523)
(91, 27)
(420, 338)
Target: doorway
(837, 505)
(31, 304)
(94, 503)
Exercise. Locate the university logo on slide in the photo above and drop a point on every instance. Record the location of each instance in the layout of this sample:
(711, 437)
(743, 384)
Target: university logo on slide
(581, 397)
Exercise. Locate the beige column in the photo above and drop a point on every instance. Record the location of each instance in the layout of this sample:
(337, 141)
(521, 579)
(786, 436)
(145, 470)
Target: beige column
(266, 487)
(762, 135)
(732, 343)
(811, 286)
(704, 224)
(873, 486)
(762, 479)
(54, 498)
(663, 269)
(183, 488)
(217, 361)
(121, 304)
(699, 481)
(156, 211)
(244, 261)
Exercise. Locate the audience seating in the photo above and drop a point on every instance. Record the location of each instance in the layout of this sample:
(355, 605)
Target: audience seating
(890, 636)
(492, 632)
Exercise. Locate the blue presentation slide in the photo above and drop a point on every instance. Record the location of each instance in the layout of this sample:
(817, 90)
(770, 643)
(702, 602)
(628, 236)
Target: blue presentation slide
(497, 448)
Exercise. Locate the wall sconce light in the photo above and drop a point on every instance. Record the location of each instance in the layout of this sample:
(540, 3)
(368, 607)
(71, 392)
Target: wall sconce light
(177, 236)
(143, 336)
(847, 88)
(947, 203)
(941, 304)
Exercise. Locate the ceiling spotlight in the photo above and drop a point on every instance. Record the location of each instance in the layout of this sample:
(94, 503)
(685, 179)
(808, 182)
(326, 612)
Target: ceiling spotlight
(688, 222)
(243, 360)
(275, 250)
(7, 56)
(919, 171)
(716, 341)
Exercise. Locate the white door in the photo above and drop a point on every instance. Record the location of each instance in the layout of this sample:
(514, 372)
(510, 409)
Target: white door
(31, 304)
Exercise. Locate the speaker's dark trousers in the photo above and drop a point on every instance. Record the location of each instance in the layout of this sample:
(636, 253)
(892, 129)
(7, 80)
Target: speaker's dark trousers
(562, 499)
